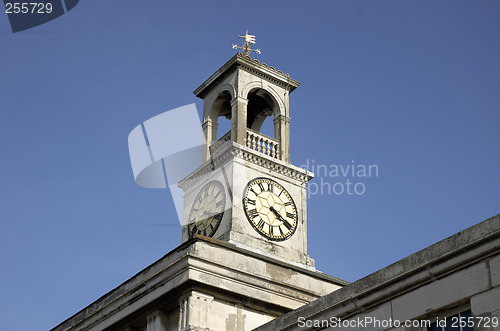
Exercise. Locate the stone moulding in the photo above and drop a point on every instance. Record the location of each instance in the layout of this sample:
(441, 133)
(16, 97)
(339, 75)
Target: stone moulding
(231, 150)
(246, 63)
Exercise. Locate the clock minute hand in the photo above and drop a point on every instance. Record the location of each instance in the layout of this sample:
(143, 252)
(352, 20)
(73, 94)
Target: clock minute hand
(278, 216)
(275, 212)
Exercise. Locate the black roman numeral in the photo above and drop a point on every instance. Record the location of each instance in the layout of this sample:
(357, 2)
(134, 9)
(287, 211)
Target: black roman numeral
(260, 225)
(261, 187)
(290, 215)
(251, 202)
(253, 213)
(288, 203)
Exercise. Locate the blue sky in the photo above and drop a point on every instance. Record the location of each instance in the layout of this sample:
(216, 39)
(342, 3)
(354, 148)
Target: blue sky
(411, 86)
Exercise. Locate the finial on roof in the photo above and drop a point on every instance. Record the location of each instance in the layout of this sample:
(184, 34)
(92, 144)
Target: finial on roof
(249, 39)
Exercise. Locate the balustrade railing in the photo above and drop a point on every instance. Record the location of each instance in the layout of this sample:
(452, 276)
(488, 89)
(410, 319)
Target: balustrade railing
(255, 140)
(262, 143)
(221, 141)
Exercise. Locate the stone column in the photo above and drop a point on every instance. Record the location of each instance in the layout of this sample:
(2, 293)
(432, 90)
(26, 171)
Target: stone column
(156, 321)
(194, 311)
(236, 321)
(210, 135)
(239, 120)
(282, 133)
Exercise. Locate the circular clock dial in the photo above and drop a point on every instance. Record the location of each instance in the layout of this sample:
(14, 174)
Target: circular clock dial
(207, 210)
(270, 209)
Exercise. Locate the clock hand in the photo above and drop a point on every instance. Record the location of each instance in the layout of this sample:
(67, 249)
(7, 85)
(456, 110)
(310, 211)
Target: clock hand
(275, 212)
(278, 216)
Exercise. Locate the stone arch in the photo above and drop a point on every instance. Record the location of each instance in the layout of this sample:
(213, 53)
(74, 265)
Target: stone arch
(280, 109)
(219, 102)
(263, 101)
(260, 106)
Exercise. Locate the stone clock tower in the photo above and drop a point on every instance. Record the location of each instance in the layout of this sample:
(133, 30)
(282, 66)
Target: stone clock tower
(246, 191)
(243, 259)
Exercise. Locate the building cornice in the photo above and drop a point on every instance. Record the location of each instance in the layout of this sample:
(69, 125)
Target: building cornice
(231, 150)
(239, 61)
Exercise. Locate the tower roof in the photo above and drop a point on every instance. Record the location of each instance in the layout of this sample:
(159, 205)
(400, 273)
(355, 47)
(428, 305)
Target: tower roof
(252, 65)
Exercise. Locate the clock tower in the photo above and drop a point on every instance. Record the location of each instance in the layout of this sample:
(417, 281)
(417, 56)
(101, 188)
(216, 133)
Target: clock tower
(246, 191)
(243, 258)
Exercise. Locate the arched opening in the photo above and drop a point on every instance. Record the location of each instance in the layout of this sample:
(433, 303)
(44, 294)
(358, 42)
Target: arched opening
(222, 108)
(266, 124)
(259, 112)
(224, 123)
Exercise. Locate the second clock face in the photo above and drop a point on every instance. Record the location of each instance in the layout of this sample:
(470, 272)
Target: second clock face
(207, 210)
(270, 209)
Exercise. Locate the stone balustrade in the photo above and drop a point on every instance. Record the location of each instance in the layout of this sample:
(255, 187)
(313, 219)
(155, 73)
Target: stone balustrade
(255, 140)
(262, 143)
(221, 141)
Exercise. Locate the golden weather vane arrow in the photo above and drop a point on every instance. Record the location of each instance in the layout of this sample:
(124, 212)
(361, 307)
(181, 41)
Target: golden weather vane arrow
(249, 39)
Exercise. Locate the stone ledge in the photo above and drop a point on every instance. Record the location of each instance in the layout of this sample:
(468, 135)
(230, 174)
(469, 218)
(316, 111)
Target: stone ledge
(231, 150)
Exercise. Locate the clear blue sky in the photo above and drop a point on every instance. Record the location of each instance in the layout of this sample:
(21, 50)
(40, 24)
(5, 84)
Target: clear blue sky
(411, 86)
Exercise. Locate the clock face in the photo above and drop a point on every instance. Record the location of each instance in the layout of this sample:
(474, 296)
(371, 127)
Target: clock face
(270, 209)
(207, 210)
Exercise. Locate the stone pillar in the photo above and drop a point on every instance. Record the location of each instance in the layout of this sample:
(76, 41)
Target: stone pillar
(194, 311)
(210, 135)
(282, 133)
(156, 321)
(236, 321)
(239, 120)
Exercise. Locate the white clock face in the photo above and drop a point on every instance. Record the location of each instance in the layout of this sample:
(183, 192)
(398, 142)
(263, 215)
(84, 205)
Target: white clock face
(270, 209)
(207, 210)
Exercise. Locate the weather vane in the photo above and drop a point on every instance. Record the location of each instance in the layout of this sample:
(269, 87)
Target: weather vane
(249, 39)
